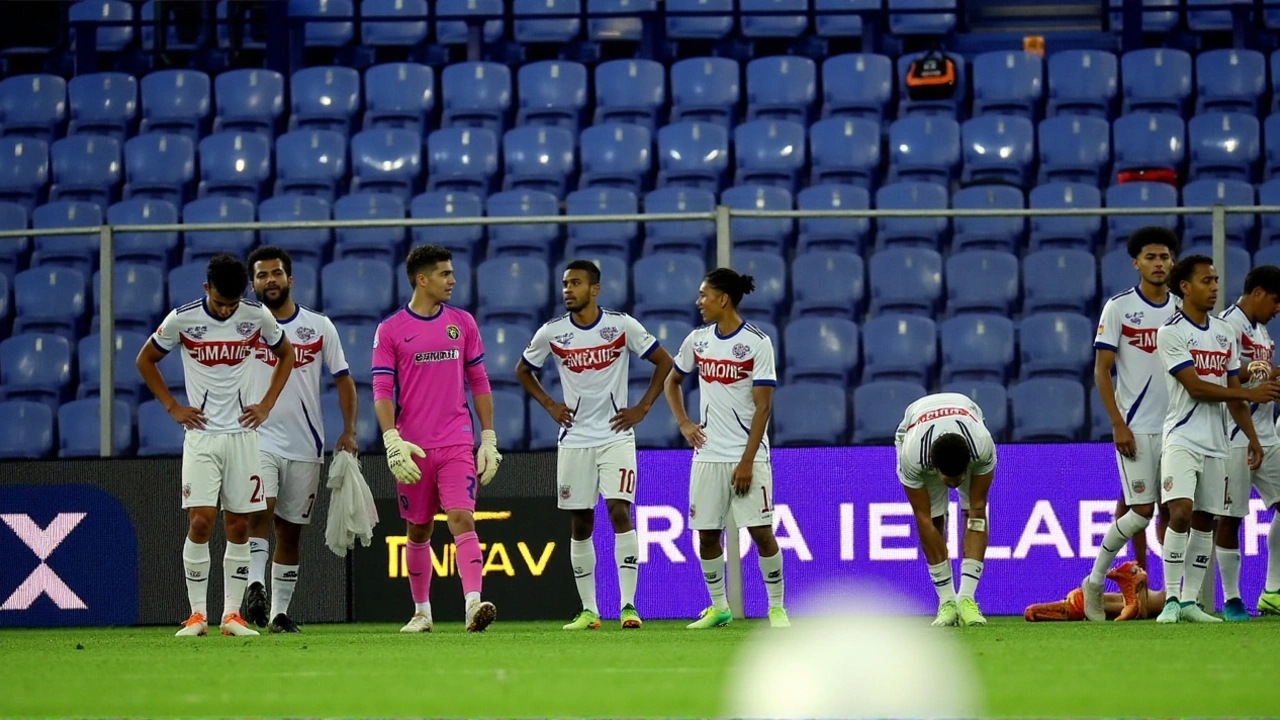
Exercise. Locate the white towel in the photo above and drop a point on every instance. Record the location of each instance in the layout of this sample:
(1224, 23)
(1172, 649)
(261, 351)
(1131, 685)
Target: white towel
(352, 512)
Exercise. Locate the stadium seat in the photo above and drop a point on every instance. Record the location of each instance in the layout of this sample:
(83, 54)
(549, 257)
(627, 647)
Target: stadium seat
(924, 232)
(1271, 132)
(160, 166)
(251, 34)
(1269, 194)
(899, 347)
(399, 32)
(939, 23)
(387, 161)
(1008, 83)
(26, 430)
(35, 366)
(310, 162)
(324, 98)
(976, 347)
(463, 240)
(615, 155)
(250, 100)
(510, 417)
(693, 154)
(782, 87)
(374, 243)
(303, 244)
(334, 33)
(1082, 82)
(821, 350)
(905, 280)
(202, 245)
(1117, 272)
(455, 32)
(809, 414)
(845, 151)
(1207, 21)
(1148, 140)
(357, 290)
(1224, 145)
(840, 25)
(103, 103)
(32, 106)
(857, 85)
(771, 234)
(769, 152)
(539, 159)
(992, 398)
(924, 149)
(613, 239)
(357, 346)
(78, 423)
(306, 283)
(770, 272)
(705, 89)
(1059, 280)
(630, 91)
(1099, 422)
(1064, 231)
(503, 345)
(1139, 195)
(1047, 410)
(1231, 81)
(234, 165)
(513, 289)
(558, 31)
(998, 149)
(878, 407)
(462, 159)
(1075, 148)
(843, 233)
(1231, 284)
(185, 32)
(670, 334)
(1155, 80)
(1206, 193)
(680, 236)
(711, 19)
(476, 94)
(139, 299)
(947, 107)
(1056, 345)
(666, 286)
(78, 251)
(24, 171)
(773, 25)
(827, 284)
(176, 102)
(657, 430)
(399, 96)
(12, 250)
(615, 280)
(988, 231)
(538, 239)
(86, 168)
(982, 281)
(553, 93)
(368, 434)
(185, 283)
(158, 434)
(126, 381)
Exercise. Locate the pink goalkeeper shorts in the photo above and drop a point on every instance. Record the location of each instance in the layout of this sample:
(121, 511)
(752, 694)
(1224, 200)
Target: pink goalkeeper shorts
(448, 483)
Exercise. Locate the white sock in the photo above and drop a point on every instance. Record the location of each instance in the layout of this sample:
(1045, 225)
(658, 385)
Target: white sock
(1124, 527)
(942, 581)
(970, 574)
(626, 553)
(284, 578)
(259, 553)
(582, 556)
(235, 576)
(771, 571)
(422, 608)
(1195, 563)
(713, 575)
(1273, 555)
(195, 561)
(1229, 570)
(1175, 547)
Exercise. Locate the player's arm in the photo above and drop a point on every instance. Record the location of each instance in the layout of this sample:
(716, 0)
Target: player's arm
(762, 396)
(256, 414)
(400, 454)
(1105, 346)
(487, 456)
(1209, 392)
(153, 351)
(1239, 410)
(931, 541)
(975, 531)
(682, 365)
(335, 359)
(628, 418)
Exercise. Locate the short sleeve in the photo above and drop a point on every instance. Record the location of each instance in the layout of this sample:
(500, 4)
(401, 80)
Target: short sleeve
(272, 334)
(1108, 337)
(639, 341)
(166, 337)
(910, 474)
(384, 354)
(335, 358)
(1174, 353)
(473, 350)
(762, 370)
(539, 348)
(685, 363)
(986, 460)
(1233, 360)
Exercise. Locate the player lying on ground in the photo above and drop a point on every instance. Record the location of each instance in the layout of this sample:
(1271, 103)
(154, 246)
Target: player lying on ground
(1134, 601)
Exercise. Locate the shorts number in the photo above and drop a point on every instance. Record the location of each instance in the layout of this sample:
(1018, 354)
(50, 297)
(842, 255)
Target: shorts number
(311, 503)
(626, 481)
(765, 491)
(256, 497)
(1226, 492)
(471, 487)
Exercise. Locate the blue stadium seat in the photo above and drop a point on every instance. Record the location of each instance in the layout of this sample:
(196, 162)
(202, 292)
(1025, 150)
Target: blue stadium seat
(303, 244)
(324, 98)
(858, 85)
(192, 37)
(202, 245)
(252, 36)
(772, 234)
(769, 152)
(78, 424)
(333, 33)
(368, 434)
(544, 433)
(613, 239)
(79, 251)
(234, 165)
(630, 91)
(539, 159)
(159, 166)
(1224, 145)
(1059, 280)
(26, 430)
(1139, 195)
(24, 171)
(827, 284)
(1155, 80)
(375, 243)
(809, 414)
(992, 398)
(1148, 140)
(680, 236)
(899, 347)
(1159, 16)
(615, 279)
(462, 159)
(878, 407)
(513, 289)
(185, 283)
(1238, 263)
(821, 350)
(524, 239)
(1230, 81)
(1064, 231)
(770, 272)
(32, 106)
(657, 430)
(1048, 410)
(357, 290)
(1099, 422)
(1082, 82)
(1056, 345)
(310, 162)
(552, 92)
(175, 102)
(454, 32)
(503, 345)
(158, 434)
(905, 280)
(998, 148)
(476, 94)
(1075, 148)
(616, 155)
(249, 101)
(110, 39)
(693, 154)
(666, 286)
(939, 23)
(1275, 65)
(12, 250)
(463, 240)
(510, 417)
(670, 334)
(945, 107)
(713, 19)
(399, 96)
(1271, 132)
(845, 150)
(773, 26)
(1205, 21)
(387, 161)
(1117, 272)
(1269, 194)
(976, 347)
(1206, 193)
(924, 148)
(925, 232)
(126, 381)
(845, 233)
(35, 366)
(982, 281)
(306, 283)
(138, 295)
(357, 346)
(622, 21)
(529, 28)
(85, 167)
(705, 89)
(1008, 83)
(782, 87)
(989, 232)
(837, 25)
(395, 33)
(103, 103)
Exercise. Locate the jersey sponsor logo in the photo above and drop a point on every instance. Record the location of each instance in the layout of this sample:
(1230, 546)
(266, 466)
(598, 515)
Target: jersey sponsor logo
(1142, 338)
(211, 353)
(940, 413)
(303, 354)
(608, 333)
(592, 358)
(435, 356)
(453, 332)
(196, 331)
(1134, 317)
(724, 371)
(1210, 362)
(1252, 350)
(562, 339)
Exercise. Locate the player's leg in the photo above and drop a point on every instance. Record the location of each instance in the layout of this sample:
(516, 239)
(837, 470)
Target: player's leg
(256, 604)
(1234, 507)
(243, 494)
(1139, 485)
(973, 547)
(1266, 479)
(456, 480)
(709, 498)
(577, 481)
(418, 504)
(299, 485)
(1181, 468)
(754, 510)
(617, 472)
(1209, 500)
(201, 483)
(929, 508)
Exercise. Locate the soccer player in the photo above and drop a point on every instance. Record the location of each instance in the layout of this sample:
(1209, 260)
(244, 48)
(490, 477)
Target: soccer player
(597, 448)
(430, 352)
(1135, 601)
(1130, 384)
(1200, 353)
(290, 443)
(943, 444)
(219, 335)
(731, 476)
(1248, 318)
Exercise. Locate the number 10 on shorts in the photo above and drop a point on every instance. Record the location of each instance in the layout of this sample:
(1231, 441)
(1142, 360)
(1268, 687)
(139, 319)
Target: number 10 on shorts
(626, 481)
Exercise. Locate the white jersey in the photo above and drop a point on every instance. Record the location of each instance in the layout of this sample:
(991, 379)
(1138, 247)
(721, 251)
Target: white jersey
(1128, 327)
(594, 362)
(1211, 350)
(728, 368)
(216, 355)
(931, 417)
(1254, 344)
(295, 429)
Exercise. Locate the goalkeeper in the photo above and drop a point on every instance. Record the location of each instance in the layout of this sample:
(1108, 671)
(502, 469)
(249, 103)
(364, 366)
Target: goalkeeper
(1134, 601)
(430, 352)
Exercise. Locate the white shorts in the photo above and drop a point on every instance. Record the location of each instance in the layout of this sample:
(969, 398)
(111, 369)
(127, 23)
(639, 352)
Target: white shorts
(222, 466)
(584, 474)
(940, 496)
(711, 496)
(1189, 475)
(1240, 478)
(293, 484)
(1140, 476)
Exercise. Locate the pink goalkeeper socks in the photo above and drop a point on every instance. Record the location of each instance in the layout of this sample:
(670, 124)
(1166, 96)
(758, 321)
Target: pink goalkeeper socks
(470, 562)
(417, 559)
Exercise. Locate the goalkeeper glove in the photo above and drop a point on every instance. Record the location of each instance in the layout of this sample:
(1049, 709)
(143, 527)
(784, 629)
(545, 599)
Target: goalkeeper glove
(487, 456)
(400, 458)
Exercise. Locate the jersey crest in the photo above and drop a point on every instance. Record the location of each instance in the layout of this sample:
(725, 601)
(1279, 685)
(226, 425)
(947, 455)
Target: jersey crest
(453, 332)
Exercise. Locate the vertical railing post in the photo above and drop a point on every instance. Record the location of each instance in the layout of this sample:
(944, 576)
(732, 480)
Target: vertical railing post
(1220, 256)
(106, 341)
(732, 549)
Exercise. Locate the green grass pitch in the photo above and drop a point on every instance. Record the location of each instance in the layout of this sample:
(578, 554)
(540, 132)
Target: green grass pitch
(536, 669)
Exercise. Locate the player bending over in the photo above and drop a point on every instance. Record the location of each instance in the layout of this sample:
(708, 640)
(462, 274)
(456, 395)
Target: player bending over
(218, 335)
(597, 449)
(431, 353)
(1135, 601)
(731, 476)
(943, 444)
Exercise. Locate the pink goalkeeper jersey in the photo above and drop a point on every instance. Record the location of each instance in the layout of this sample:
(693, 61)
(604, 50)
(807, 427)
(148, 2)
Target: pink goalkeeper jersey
(430, 361)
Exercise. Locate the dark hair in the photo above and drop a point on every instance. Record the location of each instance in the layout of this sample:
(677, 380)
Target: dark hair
(731, 283)
(423, 259)
(1184, 269)
(1153, 235)
(226, 275)
(1266, 277)
(590, 268)
(949, 454)
(270, 252)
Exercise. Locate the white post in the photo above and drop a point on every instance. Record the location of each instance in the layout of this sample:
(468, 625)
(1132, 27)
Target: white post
(732, 551)
(106, 342)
